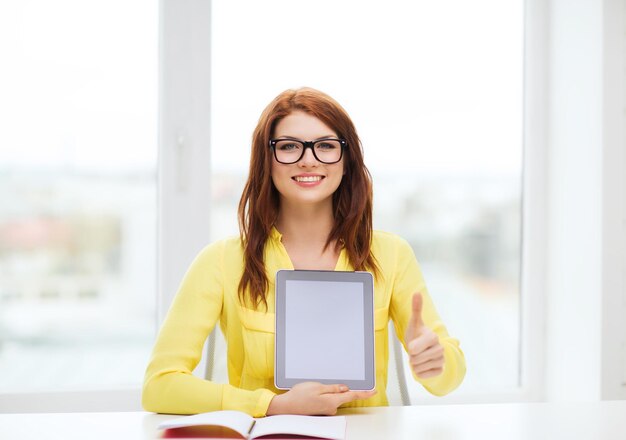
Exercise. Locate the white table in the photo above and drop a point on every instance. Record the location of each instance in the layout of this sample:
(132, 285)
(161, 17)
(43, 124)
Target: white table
(571, 421)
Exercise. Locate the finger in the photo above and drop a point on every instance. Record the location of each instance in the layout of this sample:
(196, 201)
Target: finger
(432, 352)
(363, 394)
(430, 373)
(333, 388)
(422, 343)
(353, 395)
(416, 322)
(428, 365)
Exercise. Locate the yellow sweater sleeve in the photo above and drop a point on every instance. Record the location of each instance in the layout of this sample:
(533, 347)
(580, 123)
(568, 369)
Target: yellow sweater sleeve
(408, 280)
(169, 385)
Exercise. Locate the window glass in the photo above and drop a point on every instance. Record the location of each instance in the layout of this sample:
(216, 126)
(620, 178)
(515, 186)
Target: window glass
(78, 191)
(435, 91)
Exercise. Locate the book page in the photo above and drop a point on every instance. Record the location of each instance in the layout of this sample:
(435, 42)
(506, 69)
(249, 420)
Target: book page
(325, 427)
(235, 420)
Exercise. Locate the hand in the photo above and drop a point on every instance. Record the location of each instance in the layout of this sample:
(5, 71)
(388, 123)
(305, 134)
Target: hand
(314, 398)
(425, 351)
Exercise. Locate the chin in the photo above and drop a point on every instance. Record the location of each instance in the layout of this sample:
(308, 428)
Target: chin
(309, 199)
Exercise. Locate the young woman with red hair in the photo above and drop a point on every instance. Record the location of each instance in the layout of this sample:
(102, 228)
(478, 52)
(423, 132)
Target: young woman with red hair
(307, 204)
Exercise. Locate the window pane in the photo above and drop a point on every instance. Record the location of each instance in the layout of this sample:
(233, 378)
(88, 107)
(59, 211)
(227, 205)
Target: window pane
(78, 191)
(435, 90)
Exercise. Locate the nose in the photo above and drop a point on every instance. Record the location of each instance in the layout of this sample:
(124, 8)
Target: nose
(308, 158)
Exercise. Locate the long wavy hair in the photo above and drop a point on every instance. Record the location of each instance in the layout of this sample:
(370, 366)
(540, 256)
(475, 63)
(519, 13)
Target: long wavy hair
(259, 204)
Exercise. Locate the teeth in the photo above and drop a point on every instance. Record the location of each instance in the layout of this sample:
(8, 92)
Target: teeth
(308, 178)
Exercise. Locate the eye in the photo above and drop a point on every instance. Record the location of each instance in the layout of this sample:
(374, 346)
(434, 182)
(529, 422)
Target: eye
(327, 145)
(288, 146)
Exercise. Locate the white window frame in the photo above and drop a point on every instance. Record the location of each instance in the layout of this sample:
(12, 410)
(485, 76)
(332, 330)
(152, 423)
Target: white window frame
(184, 140)
(584, 333)
(613, 330)
(184, 195)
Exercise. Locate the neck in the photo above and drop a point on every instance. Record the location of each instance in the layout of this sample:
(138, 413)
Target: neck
(305, 224)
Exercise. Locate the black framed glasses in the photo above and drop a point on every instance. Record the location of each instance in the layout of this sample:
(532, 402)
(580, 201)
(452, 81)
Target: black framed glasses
(288, 151)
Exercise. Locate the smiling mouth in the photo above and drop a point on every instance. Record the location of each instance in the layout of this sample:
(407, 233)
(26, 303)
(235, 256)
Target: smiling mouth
(307, 178)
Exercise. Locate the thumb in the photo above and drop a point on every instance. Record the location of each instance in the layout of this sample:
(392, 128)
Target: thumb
(416, 322)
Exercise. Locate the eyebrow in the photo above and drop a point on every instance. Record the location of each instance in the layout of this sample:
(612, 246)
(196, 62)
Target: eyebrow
(291, 138)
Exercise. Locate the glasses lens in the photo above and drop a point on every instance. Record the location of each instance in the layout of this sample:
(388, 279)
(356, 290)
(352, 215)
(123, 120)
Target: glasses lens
(328, 151)
(288, 151)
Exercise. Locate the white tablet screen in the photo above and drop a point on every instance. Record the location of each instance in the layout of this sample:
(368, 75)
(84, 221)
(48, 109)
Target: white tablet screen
(324, 330)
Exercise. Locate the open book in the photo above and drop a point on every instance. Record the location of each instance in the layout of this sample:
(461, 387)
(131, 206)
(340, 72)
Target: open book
(224, 423)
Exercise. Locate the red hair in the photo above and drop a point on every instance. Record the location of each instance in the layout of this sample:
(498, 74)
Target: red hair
(259, 203)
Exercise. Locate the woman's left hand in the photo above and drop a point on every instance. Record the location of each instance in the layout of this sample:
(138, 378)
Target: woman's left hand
(425, 351)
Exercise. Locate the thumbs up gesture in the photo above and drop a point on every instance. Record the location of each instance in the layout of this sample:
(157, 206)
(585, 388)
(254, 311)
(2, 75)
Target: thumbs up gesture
(425, 351)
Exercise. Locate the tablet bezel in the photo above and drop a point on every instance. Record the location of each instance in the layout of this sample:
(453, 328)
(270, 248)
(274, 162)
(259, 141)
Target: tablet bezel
(366, 279)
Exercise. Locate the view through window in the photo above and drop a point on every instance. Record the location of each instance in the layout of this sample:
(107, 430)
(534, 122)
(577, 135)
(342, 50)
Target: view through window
(435, 91)
(78, 192)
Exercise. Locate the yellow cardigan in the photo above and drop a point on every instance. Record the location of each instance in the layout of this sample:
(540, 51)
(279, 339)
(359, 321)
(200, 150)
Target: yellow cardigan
(208, 294)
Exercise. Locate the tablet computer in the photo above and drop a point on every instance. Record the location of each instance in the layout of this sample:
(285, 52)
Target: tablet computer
(324, 328)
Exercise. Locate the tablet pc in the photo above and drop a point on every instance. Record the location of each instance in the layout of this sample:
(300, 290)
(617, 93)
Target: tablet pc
(324, 328)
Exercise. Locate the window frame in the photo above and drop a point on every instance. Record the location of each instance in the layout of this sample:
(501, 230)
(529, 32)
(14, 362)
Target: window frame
(613, 381)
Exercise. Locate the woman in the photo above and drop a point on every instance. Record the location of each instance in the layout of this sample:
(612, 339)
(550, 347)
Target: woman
(307, 204)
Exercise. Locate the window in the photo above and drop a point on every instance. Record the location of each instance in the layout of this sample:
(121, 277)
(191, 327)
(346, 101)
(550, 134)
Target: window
(435, 90)
(437, 100)
(78, 191)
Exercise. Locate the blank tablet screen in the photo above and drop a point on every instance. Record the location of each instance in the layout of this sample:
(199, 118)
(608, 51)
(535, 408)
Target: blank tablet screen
(324, 328)
(335, 311)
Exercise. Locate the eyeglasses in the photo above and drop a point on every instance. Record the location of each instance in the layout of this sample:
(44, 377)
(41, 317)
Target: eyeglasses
(288, 151)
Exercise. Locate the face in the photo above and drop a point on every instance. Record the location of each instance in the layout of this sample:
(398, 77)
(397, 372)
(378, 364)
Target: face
(307, 181)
